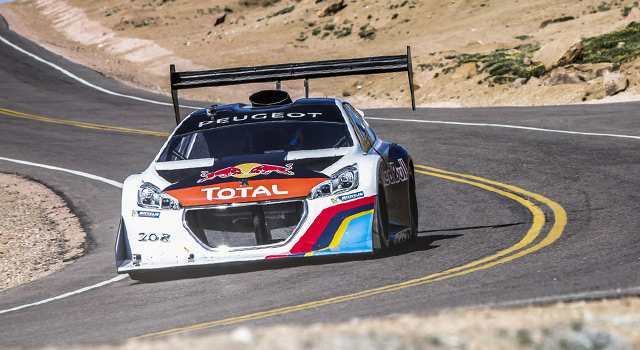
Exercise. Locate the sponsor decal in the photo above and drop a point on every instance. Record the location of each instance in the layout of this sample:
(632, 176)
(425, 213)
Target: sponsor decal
(145, 214)
(323, 229)
(236, 192)
(347, 197)
(217, 193)
(246, 170)
(401, 237)
(154, 237)
(395, 173)
(261, 117)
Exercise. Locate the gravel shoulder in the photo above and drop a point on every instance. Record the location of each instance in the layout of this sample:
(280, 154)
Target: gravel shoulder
(38, 232)
(606, 324)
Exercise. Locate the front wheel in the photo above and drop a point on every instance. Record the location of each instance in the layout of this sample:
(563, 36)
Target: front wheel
(145, 276)
(380, 231)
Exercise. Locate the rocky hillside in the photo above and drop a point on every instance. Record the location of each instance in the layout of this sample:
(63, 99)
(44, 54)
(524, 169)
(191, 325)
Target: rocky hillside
(465, 52)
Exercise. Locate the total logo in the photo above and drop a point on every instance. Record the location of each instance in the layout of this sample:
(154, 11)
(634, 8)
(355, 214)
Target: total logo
(246, 170)
(217, 193)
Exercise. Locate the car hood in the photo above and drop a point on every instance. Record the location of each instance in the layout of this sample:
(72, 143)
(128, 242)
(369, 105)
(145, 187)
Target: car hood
(249, 179)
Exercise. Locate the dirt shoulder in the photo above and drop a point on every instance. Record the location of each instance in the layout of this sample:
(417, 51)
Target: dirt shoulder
(38, 232)
(608, 324)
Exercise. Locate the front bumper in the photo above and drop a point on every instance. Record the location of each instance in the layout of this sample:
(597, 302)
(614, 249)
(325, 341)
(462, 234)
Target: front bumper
(252, 231)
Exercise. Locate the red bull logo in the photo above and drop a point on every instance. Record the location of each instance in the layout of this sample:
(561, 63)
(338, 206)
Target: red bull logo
(246, 170)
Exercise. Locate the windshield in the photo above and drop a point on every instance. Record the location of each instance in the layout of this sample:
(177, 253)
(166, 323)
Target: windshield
(257, 138)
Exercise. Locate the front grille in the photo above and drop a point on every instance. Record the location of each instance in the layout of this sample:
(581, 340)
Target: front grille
(245, 226)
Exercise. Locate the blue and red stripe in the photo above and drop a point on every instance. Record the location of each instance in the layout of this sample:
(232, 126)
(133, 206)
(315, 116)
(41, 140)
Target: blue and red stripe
(321, 232)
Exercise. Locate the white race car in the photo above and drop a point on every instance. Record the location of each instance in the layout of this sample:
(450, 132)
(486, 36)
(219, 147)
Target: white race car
(270, 179)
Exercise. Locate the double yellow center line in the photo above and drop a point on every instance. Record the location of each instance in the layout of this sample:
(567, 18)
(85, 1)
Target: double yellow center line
(16, 114)
(523, 247)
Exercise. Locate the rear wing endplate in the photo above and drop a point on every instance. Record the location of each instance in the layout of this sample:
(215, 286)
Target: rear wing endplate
(290, 71)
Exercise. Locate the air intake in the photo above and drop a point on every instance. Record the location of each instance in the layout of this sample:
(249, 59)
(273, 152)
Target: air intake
(270, 98)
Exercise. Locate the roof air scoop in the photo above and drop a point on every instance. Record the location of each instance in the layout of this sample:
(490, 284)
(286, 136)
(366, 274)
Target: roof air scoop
(270, 98)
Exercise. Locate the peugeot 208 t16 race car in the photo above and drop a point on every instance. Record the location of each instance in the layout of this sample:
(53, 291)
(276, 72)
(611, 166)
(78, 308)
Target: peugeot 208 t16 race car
(271, 179)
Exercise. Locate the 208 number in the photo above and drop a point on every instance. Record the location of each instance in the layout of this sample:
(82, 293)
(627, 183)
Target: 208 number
(153, 237)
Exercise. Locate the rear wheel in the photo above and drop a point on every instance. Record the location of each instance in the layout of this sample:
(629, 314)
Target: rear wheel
(413, 205)
(380, 232)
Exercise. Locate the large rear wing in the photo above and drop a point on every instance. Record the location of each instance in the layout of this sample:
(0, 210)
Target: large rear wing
(290, 71)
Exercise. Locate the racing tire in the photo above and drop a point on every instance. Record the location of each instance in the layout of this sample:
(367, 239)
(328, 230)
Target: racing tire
(413, 207)
(380, 231)
(144, 276)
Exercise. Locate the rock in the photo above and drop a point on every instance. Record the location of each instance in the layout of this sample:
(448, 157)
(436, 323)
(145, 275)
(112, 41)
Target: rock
(466, 70)
(601, 72)
(560, 76)
(614, 83)
(367, 32)
(519, 82)
(634, 15)
(584, 340)
(533, 81)
(551, 53)
(351, 88)
(332, 9)
(237, 19)
(573, 55)
(220, 20)
(590, 71)
(423, 77)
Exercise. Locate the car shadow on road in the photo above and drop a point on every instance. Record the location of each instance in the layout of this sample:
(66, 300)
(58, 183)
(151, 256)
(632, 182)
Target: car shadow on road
(422, 243)
(426, 240)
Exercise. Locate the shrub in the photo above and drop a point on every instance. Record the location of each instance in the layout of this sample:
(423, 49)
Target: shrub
(504, 65)
(556, 20)
(607, 47)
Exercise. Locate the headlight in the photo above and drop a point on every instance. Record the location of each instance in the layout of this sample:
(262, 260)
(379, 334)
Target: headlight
(150, 196)
(345, 179)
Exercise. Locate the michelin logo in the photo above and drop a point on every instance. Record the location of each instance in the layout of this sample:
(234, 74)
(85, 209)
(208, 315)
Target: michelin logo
(145, 214)
(347, 197)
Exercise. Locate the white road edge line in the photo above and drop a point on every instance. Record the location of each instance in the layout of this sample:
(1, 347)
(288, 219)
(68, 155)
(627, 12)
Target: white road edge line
(117, 184)
(65, 295)
(82, 81)
(79, 173)
(74, 172)
(505, 126)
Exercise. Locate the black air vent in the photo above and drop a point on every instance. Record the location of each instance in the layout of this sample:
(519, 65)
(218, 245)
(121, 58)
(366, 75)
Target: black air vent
(270, 98)
(317, 164)
(176, 175)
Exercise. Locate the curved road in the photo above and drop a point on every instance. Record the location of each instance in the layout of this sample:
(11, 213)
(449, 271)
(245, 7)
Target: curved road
(528, 215)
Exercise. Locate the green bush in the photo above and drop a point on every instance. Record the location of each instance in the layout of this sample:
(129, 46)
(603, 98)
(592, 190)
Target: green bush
(556, 20)
(283, 11)
(607, 47)
(504, 65)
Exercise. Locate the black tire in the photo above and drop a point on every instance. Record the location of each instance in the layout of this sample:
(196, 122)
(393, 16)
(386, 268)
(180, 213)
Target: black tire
(413, 204)
(380, 231)
(144, 276)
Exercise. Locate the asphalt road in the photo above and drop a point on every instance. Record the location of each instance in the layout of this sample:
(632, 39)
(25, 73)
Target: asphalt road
(464, 222)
